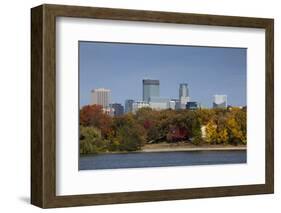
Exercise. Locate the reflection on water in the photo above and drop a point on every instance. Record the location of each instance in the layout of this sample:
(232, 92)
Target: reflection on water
(161, 159)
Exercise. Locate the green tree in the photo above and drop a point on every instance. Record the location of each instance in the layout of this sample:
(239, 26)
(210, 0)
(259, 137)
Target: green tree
(91, 140)
(129, 135)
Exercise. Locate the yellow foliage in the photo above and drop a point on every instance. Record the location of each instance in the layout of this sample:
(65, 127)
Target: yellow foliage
(235, 129)
(222, 136)
(211, 132)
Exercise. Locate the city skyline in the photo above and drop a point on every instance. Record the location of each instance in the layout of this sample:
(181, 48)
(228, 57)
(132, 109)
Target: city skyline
(125, 83)
(151, 98)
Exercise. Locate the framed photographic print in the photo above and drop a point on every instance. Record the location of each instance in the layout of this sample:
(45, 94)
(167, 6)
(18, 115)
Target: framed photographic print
(136, 106)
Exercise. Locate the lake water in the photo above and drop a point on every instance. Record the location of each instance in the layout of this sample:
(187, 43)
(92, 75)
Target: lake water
(161, 159)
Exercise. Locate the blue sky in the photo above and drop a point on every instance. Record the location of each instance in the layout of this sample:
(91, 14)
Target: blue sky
(121, 68)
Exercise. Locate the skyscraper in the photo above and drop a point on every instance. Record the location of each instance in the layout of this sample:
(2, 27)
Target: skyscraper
(101, 96)
(150, 89)
(220, 101)
(183, 95)
(129, 105)
(183, 91)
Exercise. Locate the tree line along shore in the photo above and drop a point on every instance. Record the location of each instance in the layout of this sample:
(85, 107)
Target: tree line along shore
(150, 129)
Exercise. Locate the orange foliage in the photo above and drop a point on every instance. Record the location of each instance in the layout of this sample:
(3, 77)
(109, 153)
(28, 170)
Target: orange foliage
(93, 115)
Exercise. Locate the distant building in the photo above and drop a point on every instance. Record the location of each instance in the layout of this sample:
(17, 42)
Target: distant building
(172, 105)
(108, 111)
(159, 103)
(118, 109)
(183, 90)
(220, 101)
(183, 95)
(229, 107)
(183, 101)
(138, 105)
(101, 96)
(151, 88)
(192, 105)
(177, 103)
(129, 105)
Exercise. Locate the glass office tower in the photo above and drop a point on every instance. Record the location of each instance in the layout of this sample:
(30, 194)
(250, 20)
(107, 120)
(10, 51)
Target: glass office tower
(150, 89)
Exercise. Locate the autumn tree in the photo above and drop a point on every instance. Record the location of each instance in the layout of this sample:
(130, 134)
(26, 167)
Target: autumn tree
(211, 132)
(100, 132)
(93, 115)
(227, 126)
(222, 136)
(236, 124)
(205, 115)
(149, 120)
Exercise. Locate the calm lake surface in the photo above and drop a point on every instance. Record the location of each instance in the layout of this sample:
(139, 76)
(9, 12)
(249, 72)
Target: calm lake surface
(161, 159)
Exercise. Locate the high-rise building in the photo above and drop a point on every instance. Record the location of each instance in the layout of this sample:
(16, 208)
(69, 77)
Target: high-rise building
(183, 90)
(118, 109)
(220, 101)
(129, 105)
(150, 89)
(183, 95)
(101, 96)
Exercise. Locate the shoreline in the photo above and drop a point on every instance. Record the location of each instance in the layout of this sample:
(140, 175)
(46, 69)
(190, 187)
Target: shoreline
(189, 149)
(182, 147)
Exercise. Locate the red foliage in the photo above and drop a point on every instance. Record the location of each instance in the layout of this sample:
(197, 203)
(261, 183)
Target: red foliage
(93, 115)
(147, 124)
(177, 134)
